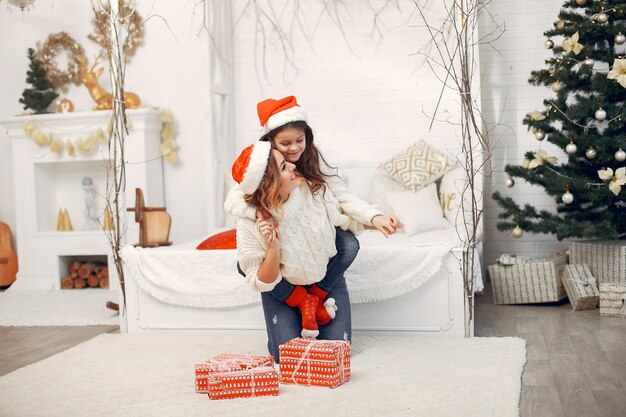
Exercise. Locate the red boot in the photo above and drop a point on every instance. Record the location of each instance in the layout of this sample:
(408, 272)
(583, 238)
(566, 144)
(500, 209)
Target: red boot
(307, 304)
(326, 310)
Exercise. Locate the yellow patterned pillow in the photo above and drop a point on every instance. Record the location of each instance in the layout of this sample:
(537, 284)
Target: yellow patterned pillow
(418, 166)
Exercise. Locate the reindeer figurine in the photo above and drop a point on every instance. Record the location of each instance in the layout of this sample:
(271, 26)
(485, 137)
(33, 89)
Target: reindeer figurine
(103, 98)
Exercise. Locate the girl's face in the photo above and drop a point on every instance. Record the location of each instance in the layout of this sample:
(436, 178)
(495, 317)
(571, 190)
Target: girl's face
(288, 176)
(291, 143)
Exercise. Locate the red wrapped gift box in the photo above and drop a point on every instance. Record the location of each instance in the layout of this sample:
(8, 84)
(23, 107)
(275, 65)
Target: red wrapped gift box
(227, 362)
(253, 382)
(324, 363)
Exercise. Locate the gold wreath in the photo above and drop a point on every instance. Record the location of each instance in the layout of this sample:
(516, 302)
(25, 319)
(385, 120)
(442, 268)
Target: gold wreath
(56, 43)
(132, 22)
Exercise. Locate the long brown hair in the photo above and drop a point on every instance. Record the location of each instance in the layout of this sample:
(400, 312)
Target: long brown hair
(267, 196)
(308, 166)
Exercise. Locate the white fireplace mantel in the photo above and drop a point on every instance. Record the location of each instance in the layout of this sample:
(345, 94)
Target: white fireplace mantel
(46, 182)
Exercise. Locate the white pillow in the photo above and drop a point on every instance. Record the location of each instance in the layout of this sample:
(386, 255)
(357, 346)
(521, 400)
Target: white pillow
(382, 184)
(418, 211)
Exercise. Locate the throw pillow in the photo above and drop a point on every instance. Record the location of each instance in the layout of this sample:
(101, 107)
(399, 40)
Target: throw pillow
(382, 184)
(418, 165)
(418, 211)
(450, 192)
(223, 240)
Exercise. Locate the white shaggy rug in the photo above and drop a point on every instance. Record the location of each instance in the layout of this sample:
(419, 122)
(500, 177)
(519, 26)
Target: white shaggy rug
(152, 374)
(85, 307)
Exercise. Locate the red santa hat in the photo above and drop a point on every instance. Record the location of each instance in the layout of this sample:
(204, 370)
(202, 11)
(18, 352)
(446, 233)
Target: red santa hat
(249, 168)
(277, 113)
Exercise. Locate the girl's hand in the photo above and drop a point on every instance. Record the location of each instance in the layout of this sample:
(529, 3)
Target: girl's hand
(387, 225)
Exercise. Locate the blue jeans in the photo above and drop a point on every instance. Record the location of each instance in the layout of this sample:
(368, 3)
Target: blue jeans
(333, 282)
(284, 323)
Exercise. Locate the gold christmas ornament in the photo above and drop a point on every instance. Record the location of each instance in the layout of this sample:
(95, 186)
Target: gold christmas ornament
(133, 28)
(55, 44)
(620, 38)
(591, 153)
(517, 232)
(581, 2)
(600, 114)
(65, 106)
(589, 62)
(571, 148)
(56, 146)
(40, 138)
(620, 155)
(101, 136)
(567, 197)
(602, 18)
(560, 24)
(510, 182)
(540, 135)
(549, 44)
(71, 150)
(557, 86)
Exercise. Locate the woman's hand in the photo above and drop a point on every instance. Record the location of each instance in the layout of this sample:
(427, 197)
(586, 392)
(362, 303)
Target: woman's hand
(387, 225)
(269, 231)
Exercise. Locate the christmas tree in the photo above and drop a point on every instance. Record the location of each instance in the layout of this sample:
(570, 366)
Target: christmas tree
(42, 94)
(584, 116)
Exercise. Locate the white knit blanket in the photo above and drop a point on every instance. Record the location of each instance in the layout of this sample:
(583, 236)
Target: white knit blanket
(384, 268)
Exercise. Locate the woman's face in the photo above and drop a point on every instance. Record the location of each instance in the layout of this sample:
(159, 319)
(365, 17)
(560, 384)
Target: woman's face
(288, 176)
(291, 143)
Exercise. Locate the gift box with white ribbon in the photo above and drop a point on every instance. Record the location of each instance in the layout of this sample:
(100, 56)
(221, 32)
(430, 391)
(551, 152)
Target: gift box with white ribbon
(228, 362)
(253, 382)
(581, 287)
(324, 363)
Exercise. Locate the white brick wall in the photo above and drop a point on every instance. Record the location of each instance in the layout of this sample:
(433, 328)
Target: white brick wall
(370, 104)
(367, 104)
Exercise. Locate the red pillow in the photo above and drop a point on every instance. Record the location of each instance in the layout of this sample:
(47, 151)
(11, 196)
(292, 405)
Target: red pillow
(224, 240)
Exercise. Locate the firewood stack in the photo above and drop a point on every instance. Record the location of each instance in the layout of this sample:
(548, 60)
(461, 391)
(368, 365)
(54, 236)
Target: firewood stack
(86, 274)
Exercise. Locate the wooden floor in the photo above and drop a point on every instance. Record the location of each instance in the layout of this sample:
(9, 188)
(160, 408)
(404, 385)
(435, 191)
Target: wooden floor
(576, 360)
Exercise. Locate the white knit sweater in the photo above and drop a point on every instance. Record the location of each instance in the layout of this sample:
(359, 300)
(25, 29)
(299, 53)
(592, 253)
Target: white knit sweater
(307, 237)
(348, 202)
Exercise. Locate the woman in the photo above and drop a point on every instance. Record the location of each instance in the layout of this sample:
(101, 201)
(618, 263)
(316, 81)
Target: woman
(287, 248)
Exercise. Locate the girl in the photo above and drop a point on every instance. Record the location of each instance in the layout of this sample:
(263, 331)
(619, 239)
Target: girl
(284, 125)
(292, 261)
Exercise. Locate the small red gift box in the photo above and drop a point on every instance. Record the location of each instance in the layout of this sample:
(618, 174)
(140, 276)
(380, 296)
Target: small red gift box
(227, 362)
(253, 382)
(324, 363)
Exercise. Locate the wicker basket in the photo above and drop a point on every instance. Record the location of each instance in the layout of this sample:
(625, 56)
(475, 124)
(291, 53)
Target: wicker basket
(606, 259)
(581, 288)
(612, 300)
(535, 280)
